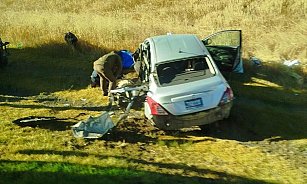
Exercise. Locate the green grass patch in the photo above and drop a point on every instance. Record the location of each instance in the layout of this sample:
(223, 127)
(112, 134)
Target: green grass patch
(49, 172)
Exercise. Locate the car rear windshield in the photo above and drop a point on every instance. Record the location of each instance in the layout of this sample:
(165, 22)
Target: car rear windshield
(183, 71)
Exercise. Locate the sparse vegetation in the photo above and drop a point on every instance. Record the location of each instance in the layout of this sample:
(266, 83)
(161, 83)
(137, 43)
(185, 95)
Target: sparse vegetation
(264, 140)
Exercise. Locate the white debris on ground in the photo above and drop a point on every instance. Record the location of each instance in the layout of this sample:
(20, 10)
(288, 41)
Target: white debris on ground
(93, 127)
(291, 63)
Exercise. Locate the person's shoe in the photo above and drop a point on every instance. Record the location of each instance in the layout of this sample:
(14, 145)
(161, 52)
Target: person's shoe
(105, 94)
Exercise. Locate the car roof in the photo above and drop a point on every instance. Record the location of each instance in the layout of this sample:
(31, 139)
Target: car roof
(175, 46)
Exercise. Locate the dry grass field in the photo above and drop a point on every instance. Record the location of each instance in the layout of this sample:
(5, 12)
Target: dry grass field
(264, 140)
(272, 30)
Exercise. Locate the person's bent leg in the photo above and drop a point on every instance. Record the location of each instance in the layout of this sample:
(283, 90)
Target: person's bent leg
(112, 85)
(105, 86)
(103, 80)
(111, 78)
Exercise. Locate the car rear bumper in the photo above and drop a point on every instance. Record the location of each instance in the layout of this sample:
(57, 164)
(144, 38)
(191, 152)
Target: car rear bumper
(172, 122)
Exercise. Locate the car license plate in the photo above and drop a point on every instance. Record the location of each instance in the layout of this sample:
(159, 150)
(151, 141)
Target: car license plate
(194, 103)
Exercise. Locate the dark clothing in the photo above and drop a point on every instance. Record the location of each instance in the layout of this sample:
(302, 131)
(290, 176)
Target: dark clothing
(108, 67)
(95, 79)
(70, 38)
(3, 53)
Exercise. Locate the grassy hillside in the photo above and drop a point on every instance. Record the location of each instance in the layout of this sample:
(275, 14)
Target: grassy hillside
(272, 29)
(263, 141)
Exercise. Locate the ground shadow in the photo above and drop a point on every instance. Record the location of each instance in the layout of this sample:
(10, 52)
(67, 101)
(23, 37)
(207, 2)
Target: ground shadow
(48, 68)
(112, 174)
(11, 98)
(50, 123)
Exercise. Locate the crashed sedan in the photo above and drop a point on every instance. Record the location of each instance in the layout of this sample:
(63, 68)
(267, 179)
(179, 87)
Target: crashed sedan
(186, 86)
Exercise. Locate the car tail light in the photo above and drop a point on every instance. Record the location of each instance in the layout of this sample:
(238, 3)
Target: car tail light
(227, 96)
(156, 108)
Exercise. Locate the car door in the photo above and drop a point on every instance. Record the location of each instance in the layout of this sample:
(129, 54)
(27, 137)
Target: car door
(225, 49)
(142, 61)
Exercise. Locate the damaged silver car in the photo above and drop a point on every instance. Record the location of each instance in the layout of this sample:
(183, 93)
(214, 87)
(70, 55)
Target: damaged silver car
(186, 86)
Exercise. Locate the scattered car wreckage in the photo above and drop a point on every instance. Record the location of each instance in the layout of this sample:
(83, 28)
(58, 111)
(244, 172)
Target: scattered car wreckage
(182, 79)
(96, 127)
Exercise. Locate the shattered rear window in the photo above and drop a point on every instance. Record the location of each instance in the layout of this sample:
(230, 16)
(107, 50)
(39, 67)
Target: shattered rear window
(183, 71)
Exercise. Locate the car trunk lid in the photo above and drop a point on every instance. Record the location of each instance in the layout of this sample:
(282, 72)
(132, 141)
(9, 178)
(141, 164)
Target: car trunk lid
(191, 97)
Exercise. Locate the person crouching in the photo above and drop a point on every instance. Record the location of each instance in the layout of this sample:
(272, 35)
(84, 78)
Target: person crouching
(109, 68)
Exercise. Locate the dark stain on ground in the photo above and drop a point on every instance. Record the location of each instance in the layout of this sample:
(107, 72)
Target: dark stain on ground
(51, 123)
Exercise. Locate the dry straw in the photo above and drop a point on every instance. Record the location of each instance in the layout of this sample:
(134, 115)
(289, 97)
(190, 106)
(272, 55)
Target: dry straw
(271, 29)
